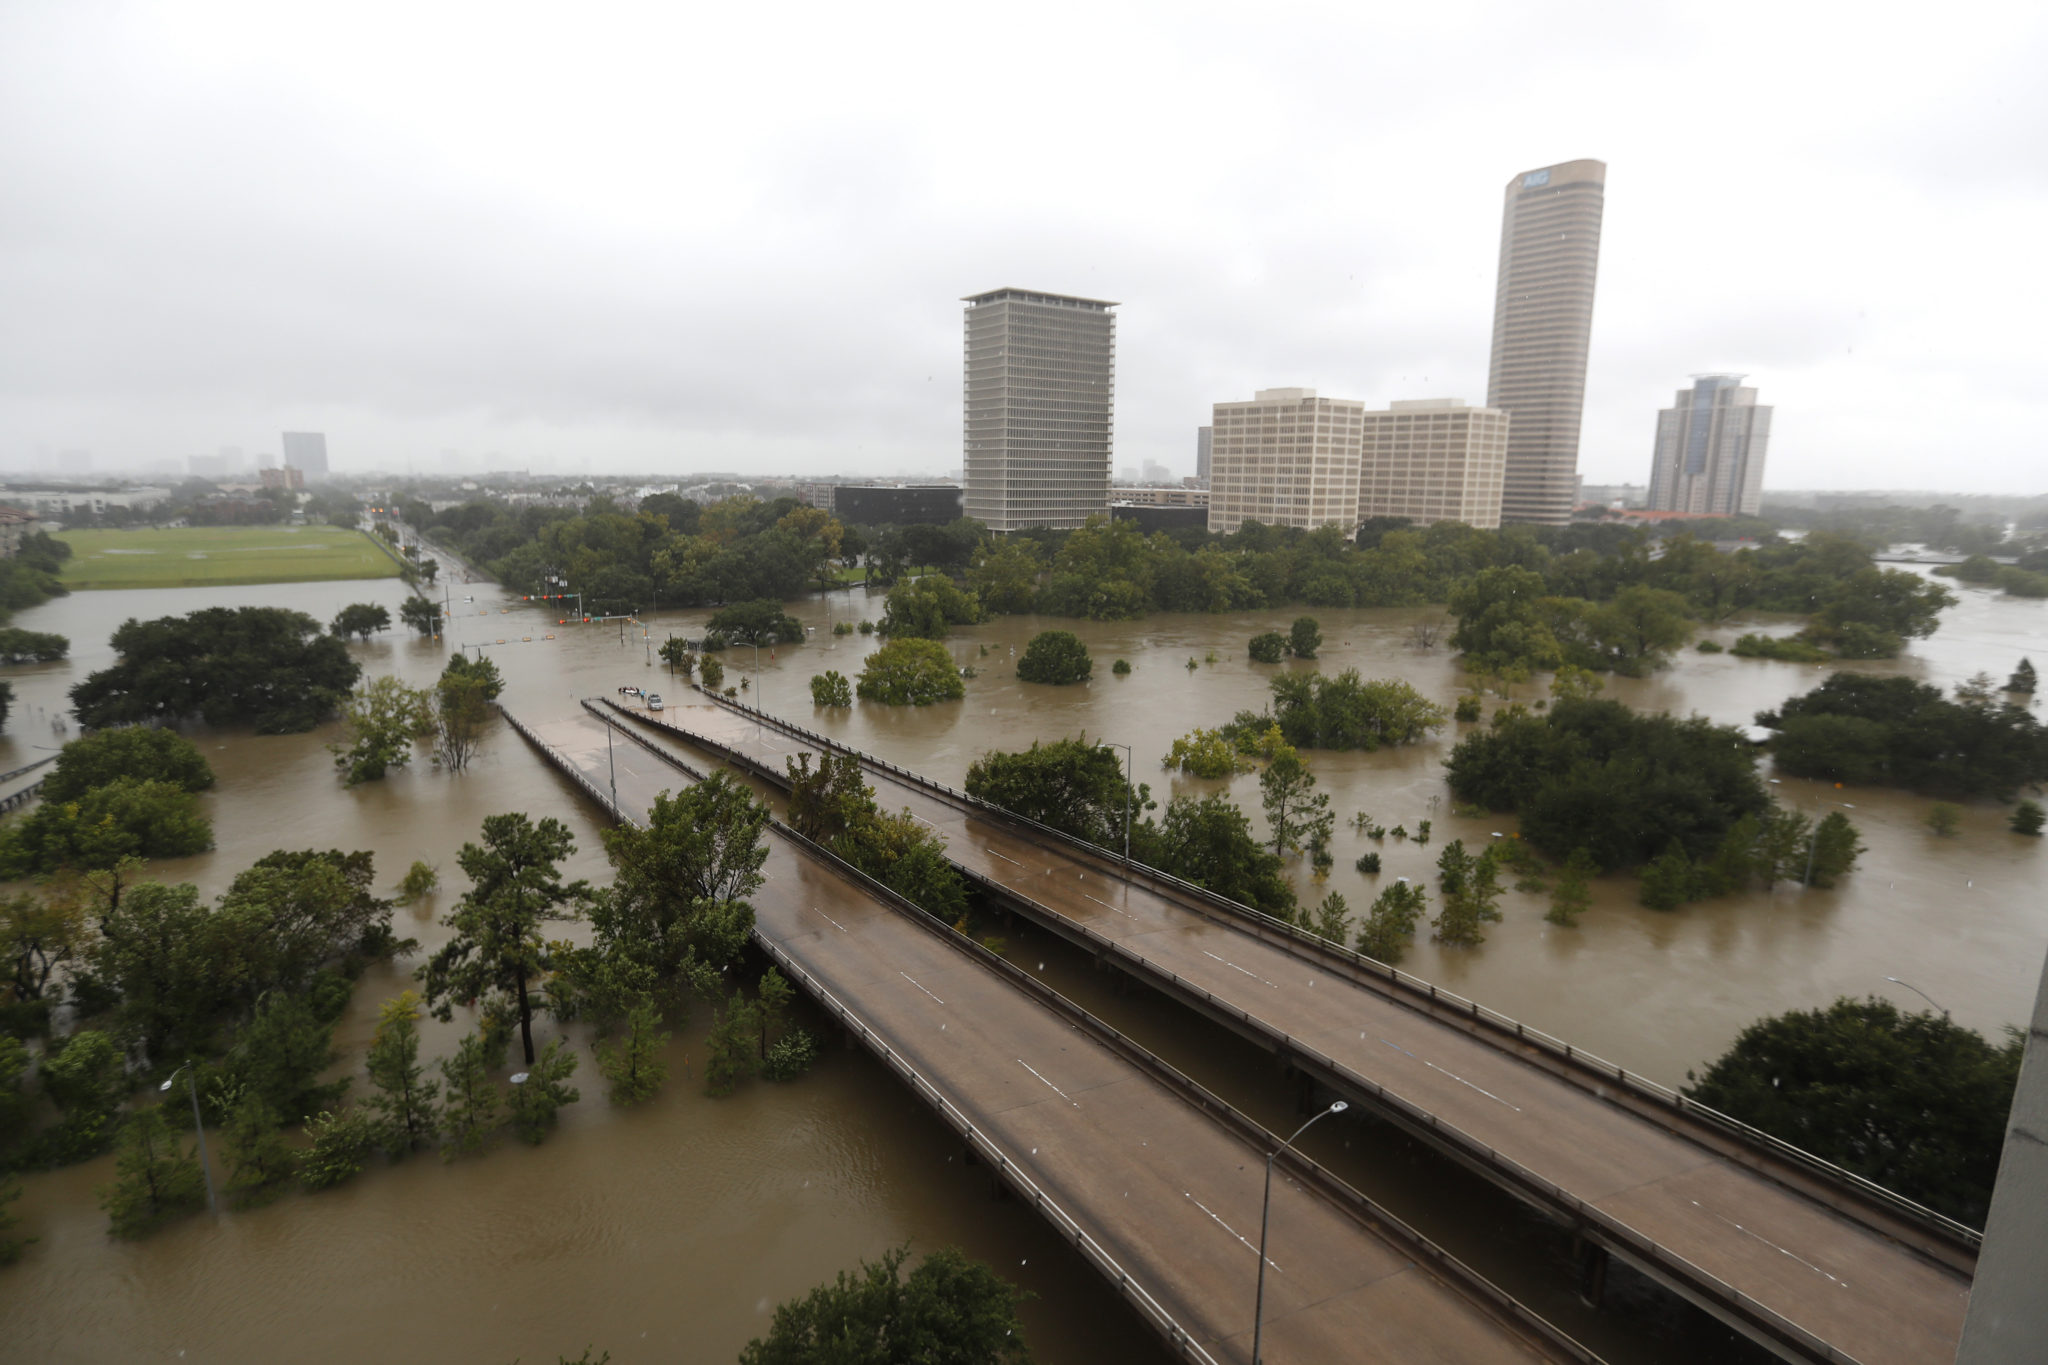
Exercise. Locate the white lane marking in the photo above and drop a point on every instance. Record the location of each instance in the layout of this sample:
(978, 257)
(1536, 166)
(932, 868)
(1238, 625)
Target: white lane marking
(1229, 1229)
(1769, 1243)
(1005, 857)
(1048, 1085)
(829, 920)
(1234, 967)
(1107, 906)
(907, 977)
(1453, 1075)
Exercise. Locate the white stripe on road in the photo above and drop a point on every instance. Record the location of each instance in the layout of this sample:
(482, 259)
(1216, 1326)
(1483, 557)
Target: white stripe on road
(1048, 1084)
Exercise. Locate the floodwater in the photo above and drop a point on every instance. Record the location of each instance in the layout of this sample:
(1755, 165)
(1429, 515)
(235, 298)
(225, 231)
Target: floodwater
(669, 1231)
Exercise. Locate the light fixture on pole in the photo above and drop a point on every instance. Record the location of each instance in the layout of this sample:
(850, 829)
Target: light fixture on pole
(1922, 994)
(192, 1086)
(1130, 761)
(1266, 1216)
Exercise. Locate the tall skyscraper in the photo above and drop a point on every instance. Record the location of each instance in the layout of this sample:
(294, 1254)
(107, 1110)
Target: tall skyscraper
(1542, 322)
(1710, 450)
(1434, 459)
(1287, 458)
(307, 450)
(1040, 399)
(1204, 441)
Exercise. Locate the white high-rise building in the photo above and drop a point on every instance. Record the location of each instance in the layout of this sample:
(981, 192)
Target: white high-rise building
(1040, 402)
(307, 451)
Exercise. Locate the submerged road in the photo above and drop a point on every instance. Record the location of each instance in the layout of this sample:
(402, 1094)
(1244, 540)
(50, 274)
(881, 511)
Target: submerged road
(1168, 1194)
(1770, 1251)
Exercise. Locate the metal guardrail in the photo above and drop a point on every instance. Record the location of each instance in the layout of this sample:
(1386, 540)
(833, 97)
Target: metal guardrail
(22, 797)
(1575, 1058)
(1361, 1207)
(27, 768)
(1760, 1319)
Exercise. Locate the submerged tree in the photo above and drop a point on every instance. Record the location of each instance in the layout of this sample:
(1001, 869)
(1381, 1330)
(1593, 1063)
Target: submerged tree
(498, 951)
(948, 1309)
(405, 1101)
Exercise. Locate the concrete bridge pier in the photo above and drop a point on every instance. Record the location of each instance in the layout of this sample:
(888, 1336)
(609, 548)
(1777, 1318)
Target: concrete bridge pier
(1592, 1259)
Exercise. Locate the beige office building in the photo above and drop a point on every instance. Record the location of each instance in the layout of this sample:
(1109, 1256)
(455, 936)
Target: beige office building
(1434, 459)
(1286, 458)
(1542, 324)
(1040, 395)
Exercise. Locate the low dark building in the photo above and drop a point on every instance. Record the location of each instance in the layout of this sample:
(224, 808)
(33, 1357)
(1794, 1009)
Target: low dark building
(861, 504)
(1152, 519)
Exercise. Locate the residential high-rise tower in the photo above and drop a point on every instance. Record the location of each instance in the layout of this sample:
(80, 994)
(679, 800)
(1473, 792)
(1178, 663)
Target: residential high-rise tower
(1710, 450)
(1040, 391)
(1542, 323)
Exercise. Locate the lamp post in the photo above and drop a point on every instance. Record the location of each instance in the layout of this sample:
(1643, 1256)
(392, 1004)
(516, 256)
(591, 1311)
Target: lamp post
(192, 1087)
(1813, 839)
(612, 764)
(1922, 994)
(1130, 761)
(1266, 1216)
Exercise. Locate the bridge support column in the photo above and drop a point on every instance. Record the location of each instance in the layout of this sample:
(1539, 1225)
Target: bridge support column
(1592, 1272)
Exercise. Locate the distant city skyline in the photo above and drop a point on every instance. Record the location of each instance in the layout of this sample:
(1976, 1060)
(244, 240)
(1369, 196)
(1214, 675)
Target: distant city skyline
(233, 221)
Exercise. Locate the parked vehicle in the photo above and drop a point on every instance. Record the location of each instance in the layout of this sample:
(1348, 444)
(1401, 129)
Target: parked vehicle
(654, 701)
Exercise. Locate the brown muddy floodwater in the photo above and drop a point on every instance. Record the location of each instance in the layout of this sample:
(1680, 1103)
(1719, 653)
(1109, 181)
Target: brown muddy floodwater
(667, 1232)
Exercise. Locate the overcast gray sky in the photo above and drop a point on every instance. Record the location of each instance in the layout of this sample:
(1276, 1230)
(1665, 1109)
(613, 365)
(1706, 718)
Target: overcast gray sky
(683, 236)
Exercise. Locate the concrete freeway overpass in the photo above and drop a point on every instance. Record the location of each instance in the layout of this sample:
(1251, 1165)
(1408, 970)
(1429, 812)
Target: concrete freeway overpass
(1807, 1260)
(1155, 1181)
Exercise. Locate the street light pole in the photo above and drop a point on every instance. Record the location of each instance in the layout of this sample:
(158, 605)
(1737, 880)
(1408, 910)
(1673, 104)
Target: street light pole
(1130, 762)
(1266, 1216)
(1922, 994)
(199, 1128)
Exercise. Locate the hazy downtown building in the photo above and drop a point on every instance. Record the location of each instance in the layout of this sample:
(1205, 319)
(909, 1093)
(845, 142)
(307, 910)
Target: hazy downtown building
(1710, 450)
(1040, 391)
(307, 450)
(1204, 439)
(1286, 458)
(1434, 459)
(1542, 323)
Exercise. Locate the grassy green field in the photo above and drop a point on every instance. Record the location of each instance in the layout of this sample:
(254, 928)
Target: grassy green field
(203, 556)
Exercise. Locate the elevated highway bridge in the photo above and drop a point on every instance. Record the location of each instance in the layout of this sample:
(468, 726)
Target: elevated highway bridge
(1806, 1259)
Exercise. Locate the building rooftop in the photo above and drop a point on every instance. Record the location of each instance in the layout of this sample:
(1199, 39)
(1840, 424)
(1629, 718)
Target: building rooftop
(1036, 296)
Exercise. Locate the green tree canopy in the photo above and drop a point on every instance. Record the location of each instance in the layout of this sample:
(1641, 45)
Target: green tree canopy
(1317, 711)
(1055, 656)
(384, 719)
(681, 881)
(1208, 841)
(1593, 774)
(498, 953)
(1069, 784)
(262, 666)
(1897, 732)
(760, 622)
(1911, 1101)
(910, 672)
(126, 818)
(19, 646)
(142, 752)
(360, 619)
(928, 608)
(948, 1309)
